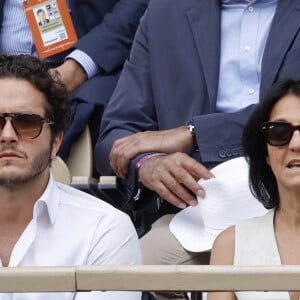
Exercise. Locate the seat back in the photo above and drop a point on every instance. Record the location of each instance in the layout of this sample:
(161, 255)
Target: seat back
(60, 171)
(80, 160)
(80, 164)
(78, 170)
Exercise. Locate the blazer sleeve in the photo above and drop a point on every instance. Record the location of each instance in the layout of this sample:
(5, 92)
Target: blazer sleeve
(219, 135)
(109, 43)
(126, 104)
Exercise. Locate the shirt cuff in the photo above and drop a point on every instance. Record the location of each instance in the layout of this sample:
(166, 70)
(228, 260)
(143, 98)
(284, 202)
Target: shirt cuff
(89, 66)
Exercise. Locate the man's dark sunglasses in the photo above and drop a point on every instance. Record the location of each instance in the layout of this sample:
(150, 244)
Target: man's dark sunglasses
(26, 125)
(278, 133)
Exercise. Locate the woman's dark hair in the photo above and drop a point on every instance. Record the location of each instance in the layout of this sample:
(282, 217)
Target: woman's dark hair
(36, 72)
(262, 180)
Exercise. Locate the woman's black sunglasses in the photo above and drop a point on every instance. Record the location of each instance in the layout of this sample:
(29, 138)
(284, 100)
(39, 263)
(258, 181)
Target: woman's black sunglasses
(278, 133)
(26, 125)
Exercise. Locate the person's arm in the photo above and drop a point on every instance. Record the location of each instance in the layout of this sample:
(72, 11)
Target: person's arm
(218, 135)
(94, 49)
(71, 74)
(222, 253)
(163, 141)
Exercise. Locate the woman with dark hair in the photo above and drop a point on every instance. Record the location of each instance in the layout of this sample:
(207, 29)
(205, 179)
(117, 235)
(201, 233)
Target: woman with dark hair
(271, 143)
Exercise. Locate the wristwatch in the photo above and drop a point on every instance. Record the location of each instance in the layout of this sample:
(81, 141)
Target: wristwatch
(191, 127)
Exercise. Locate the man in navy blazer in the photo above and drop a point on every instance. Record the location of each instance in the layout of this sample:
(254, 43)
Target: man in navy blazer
(105, 32)
(164, 127)
(170, 79)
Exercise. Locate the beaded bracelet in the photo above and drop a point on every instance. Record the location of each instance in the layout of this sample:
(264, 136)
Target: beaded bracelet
(145, 158)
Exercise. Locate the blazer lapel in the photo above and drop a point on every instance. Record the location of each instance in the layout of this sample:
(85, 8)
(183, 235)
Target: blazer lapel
(285, 27)
(204, 20)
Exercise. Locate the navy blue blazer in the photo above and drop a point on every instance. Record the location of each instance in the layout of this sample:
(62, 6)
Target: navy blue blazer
(172, 76)
(105, 29)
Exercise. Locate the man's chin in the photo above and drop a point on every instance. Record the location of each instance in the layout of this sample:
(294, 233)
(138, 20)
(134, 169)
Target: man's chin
(13, 179)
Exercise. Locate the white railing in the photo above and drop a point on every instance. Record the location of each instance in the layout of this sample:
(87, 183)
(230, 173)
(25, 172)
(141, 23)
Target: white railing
(150, 278)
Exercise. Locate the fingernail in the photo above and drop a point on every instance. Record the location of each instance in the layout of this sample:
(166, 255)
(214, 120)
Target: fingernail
(193, 203)
(182, 205)
(201, 193)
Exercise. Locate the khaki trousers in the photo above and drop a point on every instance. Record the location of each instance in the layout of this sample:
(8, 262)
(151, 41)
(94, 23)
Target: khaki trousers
(160, 247)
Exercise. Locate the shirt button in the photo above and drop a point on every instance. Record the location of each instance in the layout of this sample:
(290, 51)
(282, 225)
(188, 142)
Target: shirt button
(250, 8)
(247, 48)
(251, 91)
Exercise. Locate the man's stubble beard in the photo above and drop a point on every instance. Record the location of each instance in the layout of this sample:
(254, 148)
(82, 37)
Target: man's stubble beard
(38, 165)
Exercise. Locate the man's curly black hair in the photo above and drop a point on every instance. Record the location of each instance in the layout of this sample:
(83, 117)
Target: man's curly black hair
(37, 73)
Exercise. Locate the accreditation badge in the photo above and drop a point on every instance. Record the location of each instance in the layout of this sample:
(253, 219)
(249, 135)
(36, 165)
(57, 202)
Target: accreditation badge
(51, 26)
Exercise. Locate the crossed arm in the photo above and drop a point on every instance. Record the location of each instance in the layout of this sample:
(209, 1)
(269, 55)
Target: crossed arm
(170, 175)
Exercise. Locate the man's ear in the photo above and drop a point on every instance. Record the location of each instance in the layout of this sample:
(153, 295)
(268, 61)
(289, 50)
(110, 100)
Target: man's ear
(56, 144)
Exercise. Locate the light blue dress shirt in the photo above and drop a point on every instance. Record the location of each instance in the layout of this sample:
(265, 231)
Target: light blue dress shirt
(245, 26)
(16, 37)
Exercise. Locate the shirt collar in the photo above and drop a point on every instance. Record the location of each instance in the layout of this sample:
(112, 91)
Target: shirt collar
(48, 203)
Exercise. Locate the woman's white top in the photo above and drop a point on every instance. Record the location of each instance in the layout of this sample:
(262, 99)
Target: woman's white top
(255, 244)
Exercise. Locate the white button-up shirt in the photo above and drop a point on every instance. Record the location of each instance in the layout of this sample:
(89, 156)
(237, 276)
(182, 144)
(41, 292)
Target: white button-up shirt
(71, 228)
